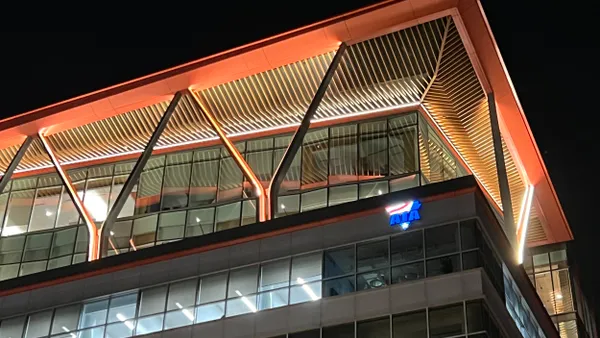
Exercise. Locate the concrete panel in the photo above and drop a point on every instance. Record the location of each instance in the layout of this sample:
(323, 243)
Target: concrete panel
(443, 289)
(239, 327)
(307, 240)
(212, 329)
(408, 297)
(274, 247)
(304, 316)
(243, 254)
(181, 332)
(337, 310)
(15, 304)
(272, 322)
(372, 304)
(211, 261)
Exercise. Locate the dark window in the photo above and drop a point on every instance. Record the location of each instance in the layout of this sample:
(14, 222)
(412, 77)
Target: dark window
(446, 321)
(338, 262)
(339, 331)
(410, 325)
(441, 240)
(407, 247)
(377, 328)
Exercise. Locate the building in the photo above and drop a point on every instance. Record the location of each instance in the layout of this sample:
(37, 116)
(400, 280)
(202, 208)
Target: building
(371, 175)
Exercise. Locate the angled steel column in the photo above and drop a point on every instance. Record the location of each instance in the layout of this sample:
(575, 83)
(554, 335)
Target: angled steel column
(507, 208)
(15, 162)
(87, 218)
(237, 157)
(296, 143)
(139, 166)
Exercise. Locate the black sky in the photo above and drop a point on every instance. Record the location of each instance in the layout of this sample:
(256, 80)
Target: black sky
(551, 52)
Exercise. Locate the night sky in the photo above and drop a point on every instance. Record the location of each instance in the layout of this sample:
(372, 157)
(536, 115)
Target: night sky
(550, 52)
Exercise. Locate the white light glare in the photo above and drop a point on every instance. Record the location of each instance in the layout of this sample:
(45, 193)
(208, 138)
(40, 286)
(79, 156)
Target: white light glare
(197, 219)
(307, 289)
(48, 213)
(127, 323)
(69, 331)
(379, 192)
(523, 221)
(112, 233)
(185, 312)
(282, 206)
(558, 296)
(246, 301)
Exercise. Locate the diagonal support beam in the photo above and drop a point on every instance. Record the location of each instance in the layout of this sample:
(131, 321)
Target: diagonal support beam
(507, 207)
(296, 142)
(15, 162)
(87, 218)
(237, 157)
(139, 166)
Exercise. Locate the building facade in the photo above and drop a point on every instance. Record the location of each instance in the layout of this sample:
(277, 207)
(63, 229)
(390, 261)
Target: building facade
(371, 175)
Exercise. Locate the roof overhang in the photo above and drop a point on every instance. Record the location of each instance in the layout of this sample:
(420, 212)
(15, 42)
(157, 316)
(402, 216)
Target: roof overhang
(307, 42)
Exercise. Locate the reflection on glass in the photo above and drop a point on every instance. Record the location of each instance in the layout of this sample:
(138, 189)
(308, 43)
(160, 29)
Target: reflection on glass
(200, 222)
(171, 226)
(96, 198)
(175, 188)
(315, 159)
(19, 209)
(44, 209)
(230, 181)
(203, 188)
(343, 155)
(373, 154)
(228, 216)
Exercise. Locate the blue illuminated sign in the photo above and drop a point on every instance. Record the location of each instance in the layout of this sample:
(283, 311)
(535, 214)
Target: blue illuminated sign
(403, 214)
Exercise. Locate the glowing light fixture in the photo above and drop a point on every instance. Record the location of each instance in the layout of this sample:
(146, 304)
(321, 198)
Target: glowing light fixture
(307, 289)
(185, 312)
(123, 319)
(247, 302)
(523, 221)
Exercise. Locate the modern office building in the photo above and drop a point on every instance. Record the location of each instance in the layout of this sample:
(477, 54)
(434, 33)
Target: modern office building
(371, 175)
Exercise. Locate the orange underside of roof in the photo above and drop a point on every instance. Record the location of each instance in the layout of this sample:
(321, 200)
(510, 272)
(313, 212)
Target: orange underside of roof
(307, 42)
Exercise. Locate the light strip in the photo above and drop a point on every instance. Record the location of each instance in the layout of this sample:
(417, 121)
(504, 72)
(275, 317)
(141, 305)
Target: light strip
(124, 320)
(245, 300)
(523, 221)
(307, 289)
(185, 312)
(91, 225)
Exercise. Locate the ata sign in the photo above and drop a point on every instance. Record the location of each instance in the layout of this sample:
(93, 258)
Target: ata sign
(403, 214)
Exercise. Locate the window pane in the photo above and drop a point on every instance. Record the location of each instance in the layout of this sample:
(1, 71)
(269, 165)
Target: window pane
(44, 209)
(261, 163)
(274, 275)
(150, 183)
(378, 328)
(249, 212)
(38, 324)
(3, 201)
(306, 334)
(208, 312)
(119, 330)
(273, 299)
(441, 240)
(81, 244)
(339, 286)
(340, 331)
(410, 325)
(182, 294)
(315, 159)
(373, 279)
(243, 281)
(338, 261)
(144, 231)
(153, 300)
(372, 255)
(122, 308)
(230, 181)
(19, 209)
(305, 292)
(408, 272)
(66, 319)
(9, 271)
(176, 186)
(90, 333)
(37, 247)
(562, 291)
(129, 207)
(12, 327)
(402, 145)
(203, 188)
(291, 181)
(11, 249)
(476, 317)
(241, 305)
(470, 236)
(119, 235)
(343, 194)
(407, 247)
(149, 324)
(373, 151)
(93, 314)
(403, 183)
(68, 214)
(373, 189)
(541, 262)
(543, 285)
(314, 200)
(288, 205)
(63, 243)
(171, 225)
(443, 265)
(306, 268)
(32, 267)
(446, 321)
(200, 222)
(559, 259)
(212, 288)
(179, 318)
(343, 155)
(96, 198)
(59, 262)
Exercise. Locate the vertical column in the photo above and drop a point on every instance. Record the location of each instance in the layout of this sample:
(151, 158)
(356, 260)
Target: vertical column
(138, 167)
(507, 208)
(263, 213)
(87, 218)
(14, 163)
(296, 143)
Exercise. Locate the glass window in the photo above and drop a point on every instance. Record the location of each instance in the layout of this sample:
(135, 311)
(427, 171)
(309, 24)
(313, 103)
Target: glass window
(403, 183)
(469, 235)
(119, 235)
(63, 243)
(407, 247)
(200, 222)
(153, 300)
(408, 272)
(541, 262)
(373, 279)
(203, 189)
(68, 214)
(19, 210)
(306, 334)
(559, 259)
(171, 226)
(338, 286)
(372, 255)
(273, 298)
(96, 198)
(343, 194)
(373, 189)
(144, 231)
(339, 261)
(441, 240)
(410, 325)
(288, 205)
(179, 318)
(315, 158)
(176, 186)
(562, 291)
(117, 330)
(241, 305)
(543, 285)
(44, 209)
(249, 212)
(59, 262)
(314, 200)
(122, 308)
(443, 265)
(38, 324)
(129, 206)
(230, 181)
(228, 216)
(9, 271)
(372, 162)
(3, 201)
(150, 183)
(446, 321)
(306, 268)
(37, 247)
(149, 324)
(182, 294)
(305, 292)
(65, 319)
(262, 165)
(402, 145)
(339, 331)
(291, 181)
(476, 317)
(12, 327)
(90, 333)
(212, 288)
(275, 275)
(211, 311)
(93, 314)
(243, 281)
(32, 267)
(343, 155)
(81, 244)
(376, 328)
(11, 249)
